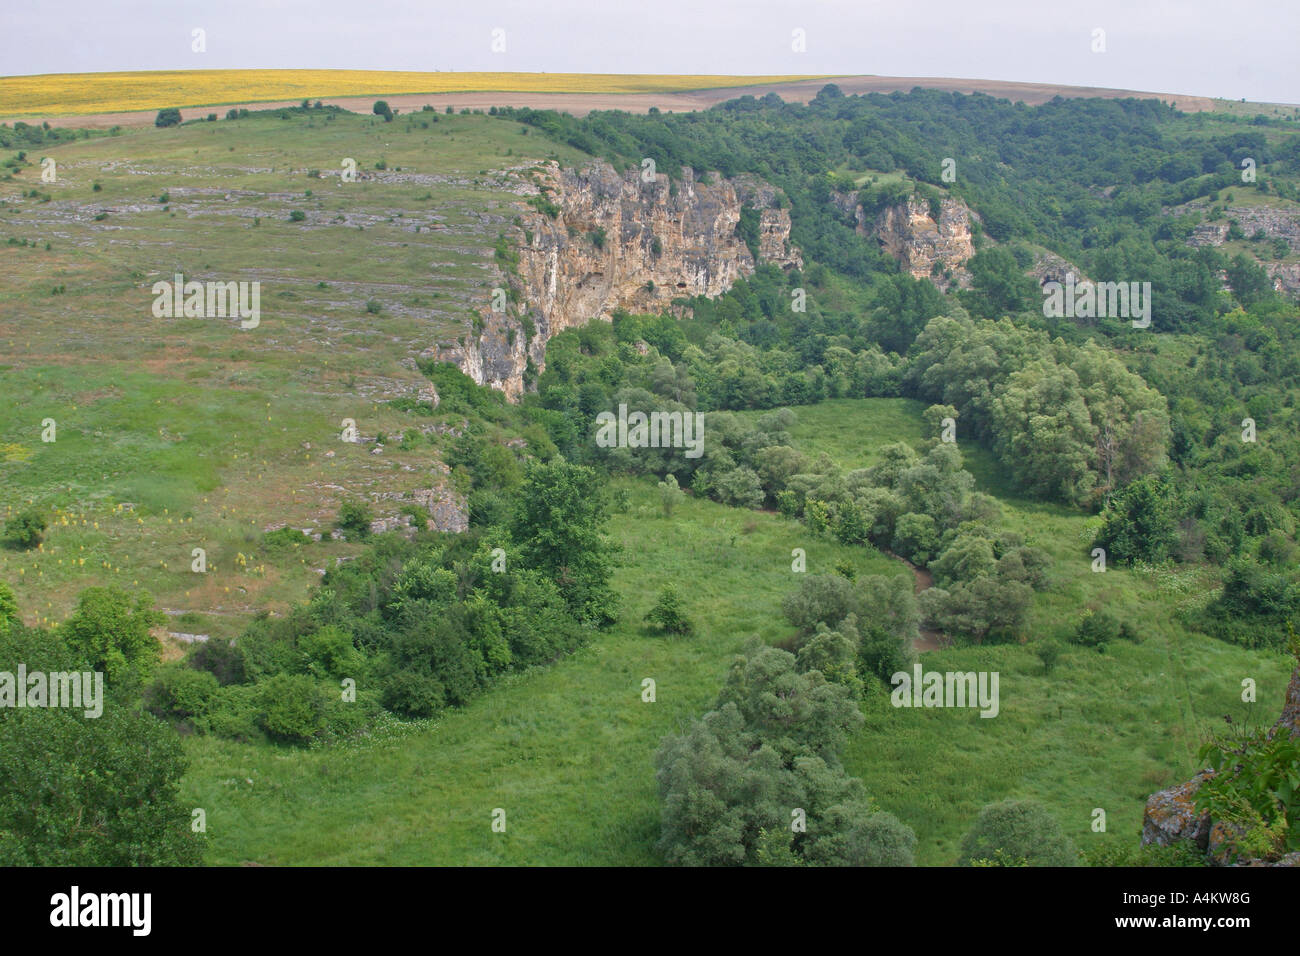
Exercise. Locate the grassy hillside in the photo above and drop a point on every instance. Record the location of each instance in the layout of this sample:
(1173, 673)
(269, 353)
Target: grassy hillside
(182, 433)
(1103, 730)
(567, 750)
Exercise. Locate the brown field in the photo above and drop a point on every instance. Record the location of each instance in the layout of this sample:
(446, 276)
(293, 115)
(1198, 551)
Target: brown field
(546, 91)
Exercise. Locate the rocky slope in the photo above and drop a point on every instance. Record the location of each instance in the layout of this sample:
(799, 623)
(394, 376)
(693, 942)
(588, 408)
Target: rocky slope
(595, 240)
(1273, 222)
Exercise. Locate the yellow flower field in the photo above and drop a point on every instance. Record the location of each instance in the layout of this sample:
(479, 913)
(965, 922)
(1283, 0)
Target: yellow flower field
(77, 93)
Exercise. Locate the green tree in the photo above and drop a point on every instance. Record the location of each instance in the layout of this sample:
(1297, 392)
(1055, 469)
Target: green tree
(381, 108)
(111, 632)
(736, 782)
(170, 116)
(667, 614)
(998, 285)
(1017, 829)
(10, 616)
(88, 792)
(558, 526)
(354, 519)
(1140, 523)
(669, 494)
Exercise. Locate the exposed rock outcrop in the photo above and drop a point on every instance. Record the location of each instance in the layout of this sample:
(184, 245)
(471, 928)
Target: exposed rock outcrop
(924, 246)
(1171, 815)
(596, 240)
(1273, 222)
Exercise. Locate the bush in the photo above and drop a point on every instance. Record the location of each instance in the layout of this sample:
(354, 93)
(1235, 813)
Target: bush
(381, 109)
(292, 708)
(667, 614)
(233, 714)
(180, 692)
(24, 529)
(354, 519)
(1015, 830)
(297, 215)
(282, 539)
(170, 116)
(1096, 629)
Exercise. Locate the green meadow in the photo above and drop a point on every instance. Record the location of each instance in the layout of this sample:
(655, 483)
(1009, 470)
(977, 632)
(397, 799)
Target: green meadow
(567, 751)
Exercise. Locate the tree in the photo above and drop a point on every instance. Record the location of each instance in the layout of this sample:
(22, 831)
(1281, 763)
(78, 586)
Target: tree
(558, 526)
(669, 494)
(915, 537)
(667, 614)
(170, 116)
(88, 792)
(381, 108)
(24, 529)
(998, 285)
(111, 632)
(1140, 523)
(1017, 829)
(766, 756)
(1248, 279)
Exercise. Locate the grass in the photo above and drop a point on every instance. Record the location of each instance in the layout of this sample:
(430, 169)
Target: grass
(208, 433)
(568, 750)
(75, 93)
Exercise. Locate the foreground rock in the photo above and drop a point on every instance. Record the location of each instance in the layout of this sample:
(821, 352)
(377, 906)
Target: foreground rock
(1171, 816)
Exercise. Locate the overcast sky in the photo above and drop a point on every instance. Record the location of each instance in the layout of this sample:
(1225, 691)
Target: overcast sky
(1242, 48)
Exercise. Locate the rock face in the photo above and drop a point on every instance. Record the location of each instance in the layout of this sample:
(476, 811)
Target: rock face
(923, 246)
(616, 241)
(1272, 221)
(1171, 815)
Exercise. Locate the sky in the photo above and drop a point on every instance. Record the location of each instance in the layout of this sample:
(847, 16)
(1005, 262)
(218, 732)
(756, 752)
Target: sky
(1243, 48)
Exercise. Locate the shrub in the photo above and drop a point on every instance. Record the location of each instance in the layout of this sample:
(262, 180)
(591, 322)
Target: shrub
(1017, 830)
(381, 108)
(24, 529)
(297, 215)
(170, 116)
(233, 713)
(292, 708)
(1049, 652)
(354, 519)
(1096, 629)
(282, 539)
(667, 614)
(180, 692)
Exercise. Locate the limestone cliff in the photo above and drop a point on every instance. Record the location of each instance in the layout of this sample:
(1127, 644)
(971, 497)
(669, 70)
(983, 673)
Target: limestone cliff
(924, 246)
(594, 240)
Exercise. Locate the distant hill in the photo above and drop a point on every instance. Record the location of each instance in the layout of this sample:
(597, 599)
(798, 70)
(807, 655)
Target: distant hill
(131, 99)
